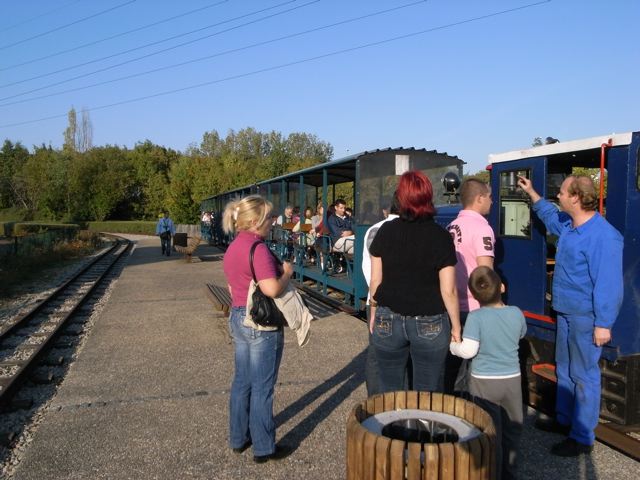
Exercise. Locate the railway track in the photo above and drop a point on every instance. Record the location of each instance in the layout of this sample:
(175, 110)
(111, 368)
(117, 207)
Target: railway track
(625, 439)
(26, 340)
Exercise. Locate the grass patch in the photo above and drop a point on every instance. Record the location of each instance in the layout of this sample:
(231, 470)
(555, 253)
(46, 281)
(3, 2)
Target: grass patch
(16, 271)
(138, 227)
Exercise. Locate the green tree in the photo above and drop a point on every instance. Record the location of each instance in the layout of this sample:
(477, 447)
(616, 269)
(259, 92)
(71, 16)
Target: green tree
(12, 158)
(482, 175)
(69, 144)
(151, 164)
(78, 138)
(44, 183)
(100, 180)
(180, 200)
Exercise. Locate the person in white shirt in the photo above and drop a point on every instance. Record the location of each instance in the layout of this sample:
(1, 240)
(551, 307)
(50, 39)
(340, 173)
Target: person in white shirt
(371, 365)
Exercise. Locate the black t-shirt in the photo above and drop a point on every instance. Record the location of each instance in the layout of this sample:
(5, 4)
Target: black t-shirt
(413, 253)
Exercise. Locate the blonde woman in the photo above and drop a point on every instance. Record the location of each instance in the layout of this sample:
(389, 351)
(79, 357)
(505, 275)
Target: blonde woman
(257, 352)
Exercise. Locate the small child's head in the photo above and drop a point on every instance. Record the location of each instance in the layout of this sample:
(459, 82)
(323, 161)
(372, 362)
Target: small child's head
(486, 286)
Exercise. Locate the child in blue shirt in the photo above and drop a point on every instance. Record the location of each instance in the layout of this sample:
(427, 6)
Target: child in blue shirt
(491, 336)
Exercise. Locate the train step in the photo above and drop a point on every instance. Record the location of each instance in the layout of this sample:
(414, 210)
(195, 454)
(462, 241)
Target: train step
(546, 371)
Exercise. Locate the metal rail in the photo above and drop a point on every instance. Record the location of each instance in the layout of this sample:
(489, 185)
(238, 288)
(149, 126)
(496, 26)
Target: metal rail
(48, 318)
(619, 438)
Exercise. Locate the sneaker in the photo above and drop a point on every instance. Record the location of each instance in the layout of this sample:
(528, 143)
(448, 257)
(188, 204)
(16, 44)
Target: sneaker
(279, 453)
(552, 426)
(570, 448)
(242, 448)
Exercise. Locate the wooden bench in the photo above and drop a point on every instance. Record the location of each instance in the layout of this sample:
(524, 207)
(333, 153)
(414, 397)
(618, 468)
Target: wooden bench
(192, 244)
(219, 296)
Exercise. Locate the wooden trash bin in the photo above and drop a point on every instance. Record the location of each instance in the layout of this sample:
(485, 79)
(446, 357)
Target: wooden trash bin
(378, 456)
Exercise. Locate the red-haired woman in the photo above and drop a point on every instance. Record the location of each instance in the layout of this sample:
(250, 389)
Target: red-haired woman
(414, 303)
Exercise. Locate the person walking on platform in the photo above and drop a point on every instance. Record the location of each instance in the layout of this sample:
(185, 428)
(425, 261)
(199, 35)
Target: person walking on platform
(165, 230)
(474, 241)
(587, 296)
(414, 303)
(258, 351)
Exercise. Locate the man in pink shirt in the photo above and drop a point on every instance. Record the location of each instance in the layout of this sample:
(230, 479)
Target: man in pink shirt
(474, 242)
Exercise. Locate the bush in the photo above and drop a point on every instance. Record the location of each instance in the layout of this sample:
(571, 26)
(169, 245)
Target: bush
(66, 230)
(35, 256)
(135, 227)
(14, 214)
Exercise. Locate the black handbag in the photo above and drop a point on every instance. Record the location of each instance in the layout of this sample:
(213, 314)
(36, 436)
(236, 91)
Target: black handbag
(264, 311)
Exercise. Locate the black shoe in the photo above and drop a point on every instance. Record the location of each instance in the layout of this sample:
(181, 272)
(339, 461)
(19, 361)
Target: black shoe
(570, 448)
(242, 448)
(552, 426)
(279, 453)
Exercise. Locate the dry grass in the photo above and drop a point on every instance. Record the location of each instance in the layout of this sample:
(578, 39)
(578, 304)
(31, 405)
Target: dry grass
(18, 271)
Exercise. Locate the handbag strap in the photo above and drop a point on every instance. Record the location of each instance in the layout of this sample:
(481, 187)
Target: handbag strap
(253, 249)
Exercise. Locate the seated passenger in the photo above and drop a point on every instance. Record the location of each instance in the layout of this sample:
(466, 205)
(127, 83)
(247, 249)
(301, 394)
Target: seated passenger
(306, 220)
(340, 229)
(287, 217)
(316, 220)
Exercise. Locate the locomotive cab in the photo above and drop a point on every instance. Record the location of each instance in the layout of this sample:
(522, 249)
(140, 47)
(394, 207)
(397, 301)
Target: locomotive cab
(525, 258)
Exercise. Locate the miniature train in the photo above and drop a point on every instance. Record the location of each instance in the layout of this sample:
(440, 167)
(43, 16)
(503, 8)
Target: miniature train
(524, 251)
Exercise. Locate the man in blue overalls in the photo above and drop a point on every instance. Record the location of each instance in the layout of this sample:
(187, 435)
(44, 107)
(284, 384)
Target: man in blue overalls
(165, 230)
(587, 295)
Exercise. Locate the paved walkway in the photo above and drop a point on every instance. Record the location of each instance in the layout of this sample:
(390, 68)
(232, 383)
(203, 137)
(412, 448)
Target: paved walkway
(147, 396)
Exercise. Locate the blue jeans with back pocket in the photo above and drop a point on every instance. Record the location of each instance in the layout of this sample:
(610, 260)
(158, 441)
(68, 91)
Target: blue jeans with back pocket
(257, 360)
(425, 338)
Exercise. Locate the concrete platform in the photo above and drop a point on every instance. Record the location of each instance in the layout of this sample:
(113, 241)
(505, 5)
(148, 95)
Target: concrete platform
(147, 397)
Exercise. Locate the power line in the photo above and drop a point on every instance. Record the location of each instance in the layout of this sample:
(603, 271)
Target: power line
(289, 64)
(67, 25)
(159, 22)
(38, 16)
(219, 54)
(144, 46)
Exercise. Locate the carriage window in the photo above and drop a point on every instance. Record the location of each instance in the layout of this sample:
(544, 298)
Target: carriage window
(515, 206)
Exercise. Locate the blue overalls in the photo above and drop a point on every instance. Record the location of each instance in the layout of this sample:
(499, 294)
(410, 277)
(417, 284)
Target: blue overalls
(587, 293)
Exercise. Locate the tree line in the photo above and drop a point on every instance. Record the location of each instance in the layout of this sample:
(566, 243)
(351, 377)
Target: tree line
(80, 182)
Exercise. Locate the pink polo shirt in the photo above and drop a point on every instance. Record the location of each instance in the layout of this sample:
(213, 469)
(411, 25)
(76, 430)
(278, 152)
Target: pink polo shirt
(473, 237)
(237, 270)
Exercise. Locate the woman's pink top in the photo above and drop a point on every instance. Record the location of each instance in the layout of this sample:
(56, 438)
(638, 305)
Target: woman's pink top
(237, 269)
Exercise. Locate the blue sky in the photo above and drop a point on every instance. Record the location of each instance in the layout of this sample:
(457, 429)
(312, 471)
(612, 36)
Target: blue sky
(479, 80)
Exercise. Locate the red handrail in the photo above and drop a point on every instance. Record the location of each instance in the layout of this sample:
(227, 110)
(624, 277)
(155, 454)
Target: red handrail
(603, 149)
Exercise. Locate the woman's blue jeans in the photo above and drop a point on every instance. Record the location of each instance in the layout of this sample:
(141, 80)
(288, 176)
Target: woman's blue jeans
(425, 338)
(257, 359)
